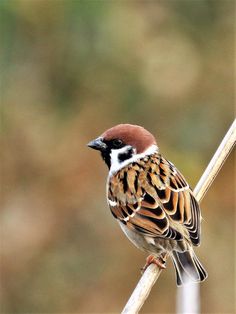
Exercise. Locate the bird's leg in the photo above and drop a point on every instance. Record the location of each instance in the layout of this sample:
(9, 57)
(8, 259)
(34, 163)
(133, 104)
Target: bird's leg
(159, 261)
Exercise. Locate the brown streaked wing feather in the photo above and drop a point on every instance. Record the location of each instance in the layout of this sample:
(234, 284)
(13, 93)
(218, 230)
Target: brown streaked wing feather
(175, 196)
(153, 194)
(151, 219)
(182, 206)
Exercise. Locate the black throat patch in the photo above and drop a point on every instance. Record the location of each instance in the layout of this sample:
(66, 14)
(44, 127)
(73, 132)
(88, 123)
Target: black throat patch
(106, 157)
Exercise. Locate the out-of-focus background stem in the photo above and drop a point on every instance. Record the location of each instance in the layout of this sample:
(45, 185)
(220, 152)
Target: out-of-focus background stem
(69, 70)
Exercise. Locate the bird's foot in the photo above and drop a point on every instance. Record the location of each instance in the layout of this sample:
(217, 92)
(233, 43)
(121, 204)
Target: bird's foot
(151, 259)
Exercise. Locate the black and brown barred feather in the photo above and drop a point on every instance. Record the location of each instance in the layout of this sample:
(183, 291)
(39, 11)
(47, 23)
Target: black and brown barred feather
(152, 197)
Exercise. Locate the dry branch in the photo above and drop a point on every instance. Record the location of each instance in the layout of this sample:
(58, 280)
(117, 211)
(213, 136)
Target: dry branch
(152, 273)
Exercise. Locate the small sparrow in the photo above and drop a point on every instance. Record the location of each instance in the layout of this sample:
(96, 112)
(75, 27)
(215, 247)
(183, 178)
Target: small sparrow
(151, 200)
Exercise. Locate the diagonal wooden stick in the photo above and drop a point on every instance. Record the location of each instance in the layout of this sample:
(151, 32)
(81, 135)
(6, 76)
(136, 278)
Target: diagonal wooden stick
(152, 273)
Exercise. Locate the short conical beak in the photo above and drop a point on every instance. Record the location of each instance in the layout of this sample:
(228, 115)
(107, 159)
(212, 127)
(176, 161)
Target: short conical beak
(97, 144)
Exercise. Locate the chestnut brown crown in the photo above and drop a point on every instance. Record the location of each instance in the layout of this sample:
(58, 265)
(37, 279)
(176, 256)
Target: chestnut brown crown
(133, 135)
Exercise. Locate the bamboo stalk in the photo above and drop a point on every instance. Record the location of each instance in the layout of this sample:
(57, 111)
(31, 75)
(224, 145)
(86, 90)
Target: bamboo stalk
(216, 163)
(152, 273)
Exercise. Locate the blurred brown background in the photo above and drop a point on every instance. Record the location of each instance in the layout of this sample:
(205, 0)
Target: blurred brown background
(70, 70)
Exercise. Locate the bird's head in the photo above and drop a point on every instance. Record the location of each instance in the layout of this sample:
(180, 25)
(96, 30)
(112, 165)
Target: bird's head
(123, 144)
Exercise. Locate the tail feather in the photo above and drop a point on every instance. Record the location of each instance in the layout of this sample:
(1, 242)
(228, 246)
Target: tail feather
(188, 267)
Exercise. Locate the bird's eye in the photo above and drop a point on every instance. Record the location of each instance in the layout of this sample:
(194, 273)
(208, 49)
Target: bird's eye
(117, 143)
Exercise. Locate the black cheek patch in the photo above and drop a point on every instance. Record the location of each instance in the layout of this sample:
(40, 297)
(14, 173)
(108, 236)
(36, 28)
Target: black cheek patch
(126, 155)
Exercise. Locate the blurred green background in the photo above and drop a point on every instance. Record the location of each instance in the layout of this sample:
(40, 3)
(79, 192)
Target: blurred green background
(71, 69)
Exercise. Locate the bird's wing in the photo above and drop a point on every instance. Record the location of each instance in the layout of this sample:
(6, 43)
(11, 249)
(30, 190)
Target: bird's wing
(176, 197)
(155, 201)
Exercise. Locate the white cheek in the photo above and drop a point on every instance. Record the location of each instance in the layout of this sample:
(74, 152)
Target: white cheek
(116, 164)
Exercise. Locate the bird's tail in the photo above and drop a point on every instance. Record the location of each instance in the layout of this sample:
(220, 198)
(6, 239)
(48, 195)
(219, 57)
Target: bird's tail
(188, 268)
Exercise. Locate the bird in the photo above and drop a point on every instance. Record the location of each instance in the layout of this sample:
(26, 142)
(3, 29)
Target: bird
(151, 200)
